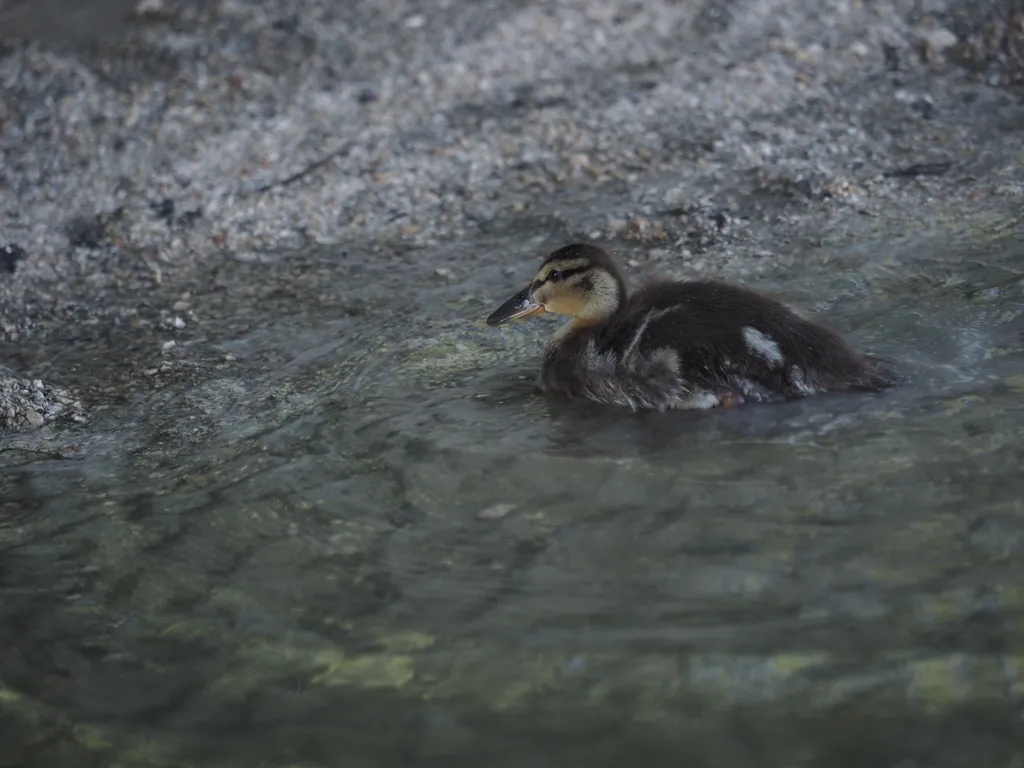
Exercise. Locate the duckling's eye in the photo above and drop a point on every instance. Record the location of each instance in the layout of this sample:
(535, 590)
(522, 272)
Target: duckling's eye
(555, 275)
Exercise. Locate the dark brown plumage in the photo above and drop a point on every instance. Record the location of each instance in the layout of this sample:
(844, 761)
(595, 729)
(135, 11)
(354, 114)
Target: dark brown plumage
(695, 344)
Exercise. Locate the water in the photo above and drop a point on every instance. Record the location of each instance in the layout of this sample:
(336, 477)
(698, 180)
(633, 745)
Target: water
(370, 541)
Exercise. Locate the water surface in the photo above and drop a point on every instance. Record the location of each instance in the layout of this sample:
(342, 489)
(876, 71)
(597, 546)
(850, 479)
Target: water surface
(369, 540)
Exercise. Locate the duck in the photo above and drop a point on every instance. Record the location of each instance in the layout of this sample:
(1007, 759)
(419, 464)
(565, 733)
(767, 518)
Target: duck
(693, 344)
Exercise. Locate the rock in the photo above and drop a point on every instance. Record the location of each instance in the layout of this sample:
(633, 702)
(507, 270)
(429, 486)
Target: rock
(163, 209)
(149, 7)
(937, 40)
(87, 231)
(860, 50)
(10, 255)
(933, 44)
(367, 96)
(34, 403)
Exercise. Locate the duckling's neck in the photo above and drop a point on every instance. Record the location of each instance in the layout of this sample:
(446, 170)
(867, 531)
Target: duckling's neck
(564, 331)
(575, 325)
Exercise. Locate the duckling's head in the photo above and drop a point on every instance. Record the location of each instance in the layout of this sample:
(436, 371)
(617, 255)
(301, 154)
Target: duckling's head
(578, 280)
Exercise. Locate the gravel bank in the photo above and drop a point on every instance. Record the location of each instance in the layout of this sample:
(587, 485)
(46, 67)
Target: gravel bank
(217, 132)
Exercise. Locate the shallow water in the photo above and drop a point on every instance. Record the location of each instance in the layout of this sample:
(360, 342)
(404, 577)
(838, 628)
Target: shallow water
(380, 545)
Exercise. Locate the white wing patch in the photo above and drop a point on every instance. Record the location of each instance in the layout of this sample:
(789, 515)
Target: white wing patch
(762, 346)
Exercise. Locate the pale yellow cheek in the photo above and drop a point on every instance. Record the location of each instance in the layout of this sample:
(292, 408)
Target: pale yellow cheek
(563, 305)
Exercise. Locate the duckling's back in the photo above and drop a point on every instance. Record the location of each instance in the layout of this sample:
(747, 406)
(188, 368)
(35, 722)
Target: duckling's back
(723, 334)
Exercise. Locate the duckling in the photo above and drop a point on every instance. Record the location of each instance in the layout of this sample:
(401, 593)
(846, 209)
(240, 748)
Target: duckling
(679, 345)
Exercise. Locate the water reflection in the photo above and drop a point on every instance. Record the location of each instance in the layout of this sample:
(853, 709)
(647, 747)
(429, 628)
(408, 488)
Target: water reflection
(315, 574)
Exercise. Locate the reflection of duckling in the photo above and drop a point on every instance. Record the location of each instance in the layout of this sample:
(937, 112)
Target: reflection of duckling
(695, 344)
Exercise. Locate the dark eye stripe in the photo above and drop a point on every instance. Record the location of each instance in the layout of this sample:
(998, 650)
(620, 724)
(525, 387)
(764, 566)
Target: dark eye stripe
(557, 275)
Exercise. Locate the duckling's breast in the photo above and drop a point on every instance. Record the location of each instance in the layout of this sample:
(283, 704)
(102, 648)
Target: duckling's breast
(583, 368)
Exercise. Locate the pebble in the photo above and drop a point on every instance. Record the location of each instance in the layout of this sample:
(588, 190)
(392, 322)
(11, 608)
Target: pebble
(149, 7)
(10, 255)
(495, 512)
(860, 49)
(938, 39)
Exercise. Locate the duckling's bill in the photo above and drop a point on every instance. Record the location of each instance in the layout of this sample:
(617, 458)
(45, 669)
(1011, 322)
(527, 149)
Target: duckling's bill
(519, 306)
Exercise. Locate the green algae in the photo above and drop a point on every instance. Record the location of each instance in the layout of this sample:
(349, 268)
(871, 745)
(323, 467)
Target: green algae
(92, 737)
(378, 670)
(944, 683)
(1015, 383)
(404, 641)
(24, 709)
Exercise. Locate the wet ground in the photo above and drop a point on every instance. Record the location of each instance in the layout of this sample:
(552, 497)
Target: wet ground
(319, 515)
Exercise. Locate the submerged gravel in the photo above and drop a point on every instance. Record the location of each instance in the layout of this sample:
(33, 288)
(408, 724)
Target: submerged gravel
(32, 403)
(216, 132)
